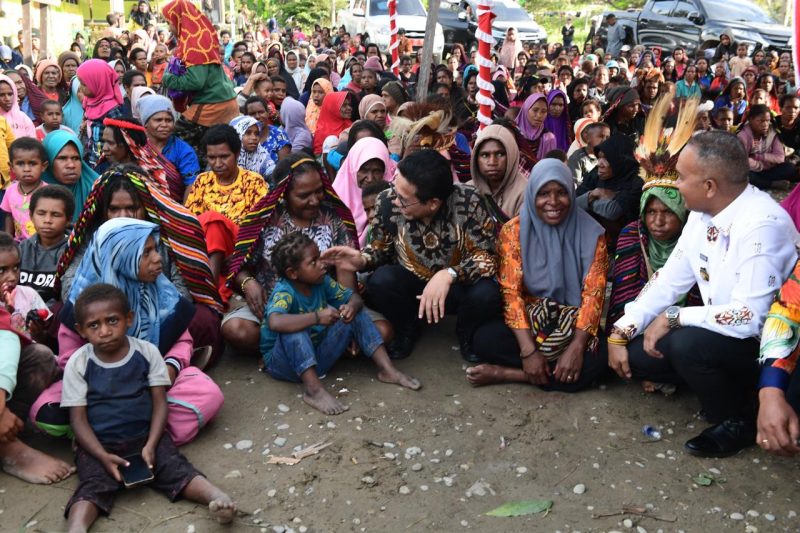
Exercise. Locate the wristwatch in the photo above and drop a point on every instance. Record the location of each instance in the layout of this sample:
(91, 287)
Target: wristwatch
(453, 273)
(673, 314)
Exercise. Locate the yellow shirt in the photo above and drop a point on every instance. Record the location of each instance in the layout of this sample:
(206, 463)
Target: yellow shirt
(6, 138)
(234, 200)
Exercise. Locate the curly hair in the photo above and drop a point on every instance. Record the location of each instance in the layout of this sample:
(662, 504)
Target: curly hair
(288, 252)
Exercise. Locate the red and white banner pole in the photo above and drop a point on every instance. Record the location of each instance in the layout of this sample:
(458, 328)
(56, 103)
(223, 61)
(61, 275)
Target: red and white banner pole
(485, 44)
(394, 42)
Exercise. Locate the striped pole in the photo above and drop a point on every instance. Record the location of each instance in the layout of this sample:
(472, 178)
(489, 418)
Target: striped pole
(394, 43)
(485, 43)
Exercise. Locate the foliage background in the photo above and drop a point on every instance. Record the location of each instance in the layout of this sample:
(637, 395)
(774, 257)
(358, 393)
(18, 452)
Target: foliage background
(550, 14)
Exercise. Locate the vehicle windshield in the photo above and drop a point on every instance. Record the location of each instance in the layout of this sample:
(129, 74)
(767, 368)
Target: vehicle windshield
(740, 12)
(404, 7)
(509, 11)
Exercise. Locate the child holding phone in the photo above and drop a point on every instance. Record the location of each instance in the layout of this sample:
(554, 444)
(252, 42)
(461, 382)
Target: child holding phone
(115, 388)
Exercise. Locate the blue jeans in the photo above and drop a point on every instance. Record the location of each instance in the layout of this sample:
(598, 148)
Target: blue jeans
(294, 353)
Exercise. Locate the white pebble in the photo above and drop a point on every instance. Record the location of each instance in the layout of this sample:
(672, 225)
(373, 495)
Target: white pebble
(302, 529)
(389, 455)
(405, 490)
(423, 488)
(282, 427)
(330, 425)
(736, 516)
(521, 470)
(190, 528)
(580, 488)
(244, 444)
(714, 471)
(233, 474)
(227, 445)
(412, 451)
(640, 529)
(627, 523)
(448, 481)
(283, 408)
(416, 467)
(279, 441)
(464, 523)
(753, 513)
(448, 453)
(792, 514)
(271, 493)
(769, 517)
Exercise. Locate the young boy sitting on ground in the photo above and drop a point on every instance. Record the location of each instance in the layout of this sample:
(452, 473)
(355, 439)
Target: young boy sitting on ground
(311, 320)
(51, 210)
(115, 387)
(28, 163)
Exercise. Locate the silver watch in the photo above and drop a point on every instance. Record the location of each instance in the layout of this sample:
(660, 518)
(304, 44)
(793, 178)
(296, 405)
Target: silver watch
(453, 273)
(673, 314)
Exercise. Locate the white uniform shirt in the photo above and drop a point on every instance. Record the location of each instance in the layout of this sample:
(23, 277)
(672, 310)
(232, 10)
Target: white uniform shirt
(738, 258)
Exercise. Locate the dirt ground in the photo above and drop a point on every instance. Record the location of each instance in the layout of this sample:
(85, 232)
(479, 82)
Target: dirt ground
(435, 461)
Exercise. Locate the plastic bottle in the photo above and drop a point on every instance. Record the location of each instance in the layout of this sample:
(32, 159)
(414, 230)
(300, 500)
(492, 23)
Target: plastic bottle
(651, 433)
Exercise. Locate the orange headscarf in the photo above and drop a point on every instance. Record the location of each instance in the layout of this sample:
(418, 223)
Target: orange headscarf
(198, 43)
(312, 109)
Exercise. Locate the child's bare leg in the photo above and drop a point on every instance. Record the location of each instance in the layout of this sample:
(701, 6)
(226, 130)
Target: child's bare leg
(388, 373)
(219, 504)
(81, 516)
(315, 395)
(22, 461)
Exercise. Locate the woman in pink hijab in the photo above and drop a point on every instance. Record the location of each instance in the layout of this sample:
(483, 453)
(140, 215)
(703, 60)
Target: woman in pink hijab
(367, 161)
(21, 125)
(101, 99)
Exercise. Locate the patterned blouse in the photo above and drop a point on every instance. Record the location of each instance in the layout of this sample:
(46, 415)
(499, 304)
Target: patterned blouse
(516, 297)
(326, 230)
(460, 236)
(276, 140)
(234, 200)
(779, 339)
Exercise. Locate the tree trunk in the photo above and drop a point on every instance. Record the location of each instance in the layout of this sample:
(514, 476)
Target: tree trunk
(426, 54)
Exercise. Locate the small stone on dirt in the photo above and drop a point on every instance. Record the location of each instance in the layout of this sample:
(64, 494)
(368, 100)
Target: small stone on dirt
(416, 467)
(405, 490)
(234, 474)
(580, 488)
(283, 408)
(279, 441)
(244, 445)
(736, 516)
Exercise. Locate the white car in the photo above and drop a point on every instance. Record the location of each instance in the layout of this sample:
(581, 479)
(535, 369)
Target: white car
(372, 17)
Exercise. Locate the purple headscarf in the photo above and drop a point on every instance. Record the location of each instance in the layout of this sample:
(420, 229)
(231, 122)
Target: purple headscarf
(560, 126)
(524, 125)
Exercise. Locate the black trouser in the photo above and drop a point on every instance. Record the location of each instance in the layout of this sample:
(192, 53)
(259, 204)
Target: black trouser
(495, 343)
(764, 178)
(793, 392)
(392, 290)
(723, 371)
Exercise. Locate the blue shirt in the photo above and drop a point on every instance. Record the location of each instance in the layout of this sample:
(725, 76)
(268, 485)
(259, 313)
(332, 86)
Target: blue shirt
(276, 140)
(180, 154)
(286, 300)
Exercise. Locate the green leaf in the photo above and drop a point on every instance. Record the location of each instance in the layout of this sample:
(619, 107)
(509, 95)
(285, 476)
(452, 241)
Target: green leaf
(521, 508)
(703, 479)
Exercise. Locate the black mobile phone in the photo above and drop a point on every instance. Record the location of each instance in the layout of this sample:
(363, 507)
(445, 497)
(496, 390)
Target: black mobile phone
(136, 473)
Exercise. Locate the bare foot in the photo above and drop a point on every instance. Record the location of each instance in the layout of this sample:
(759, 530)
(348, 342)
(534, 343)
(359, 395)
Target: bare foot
(485, 375)
(321, 400)
(649, 386)
(398, 378)
(33, 466)
(222, 508)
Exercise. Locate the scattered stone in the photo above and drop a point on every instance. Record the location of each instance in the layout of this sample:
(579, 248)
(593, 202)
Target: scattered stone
(190, 528)
(448, 481)
(715, 471)
(464, 523)
(752, 513)
(416, 467)
(330, 425)
(283, 408)
(413, 451)
(580, 488)
(227, 445)
(282, 427)
(388, 445)
(521, 470)
(792, 514)
(271, 493)
(736, 516)
(368, 480)
(265, 451)
(302, 529)
(448, 453)
(278, 529)
(480, 488)
(405, 490)
(769, 517)
(244, 444)
(390, 455)
(279, 441)
(627, 523)
(750, 529)
(423, 488)
(640, 529)
(292, 489)
(234, 474)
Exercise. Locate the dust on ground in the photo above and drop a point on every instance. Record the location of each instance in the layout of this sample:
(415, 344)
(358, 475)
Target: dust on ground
(439, 459)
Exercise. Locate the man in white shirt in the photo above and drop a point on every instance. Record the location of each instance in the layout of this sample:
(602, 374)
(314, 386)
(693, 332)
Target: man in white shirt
(738, 246)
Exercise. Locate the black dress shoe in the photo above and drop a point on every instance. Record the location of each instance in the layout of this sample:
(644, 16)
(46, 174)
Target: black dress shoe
(467, 353)
(403, 342)
(723, 440)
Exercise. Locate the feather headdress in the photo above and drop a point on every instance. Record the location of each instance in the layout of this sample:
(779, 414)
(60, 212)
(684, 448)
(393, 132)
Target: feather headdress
(660, 145)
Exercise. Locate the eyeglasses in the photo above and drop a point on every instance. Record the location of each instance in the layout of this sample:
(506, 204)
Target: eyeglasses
(403, 203)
